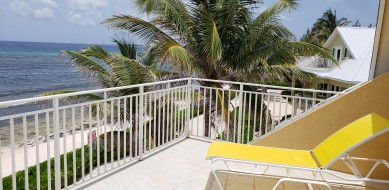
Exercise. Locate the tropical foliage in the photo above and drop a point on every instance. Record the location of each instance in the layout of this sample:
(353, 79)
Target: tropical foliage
(324, 26)
(220, 39)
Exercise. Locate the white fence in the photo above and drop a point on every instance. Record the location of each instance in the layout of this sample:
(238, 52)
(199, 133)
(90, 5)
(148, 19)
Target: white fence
(74, 138)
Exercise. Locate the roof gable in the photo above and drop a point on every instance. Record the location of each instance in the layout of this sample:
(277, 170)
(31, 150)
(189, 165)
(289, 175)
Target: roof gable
(356, 39)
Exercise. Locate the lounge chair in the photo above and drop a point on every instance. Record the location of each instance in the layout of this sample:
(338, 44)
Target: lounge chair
(316, 161)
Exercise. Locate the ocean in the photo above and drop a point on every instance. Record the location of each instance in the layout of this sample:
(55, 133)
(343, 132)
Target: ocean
(28, 69)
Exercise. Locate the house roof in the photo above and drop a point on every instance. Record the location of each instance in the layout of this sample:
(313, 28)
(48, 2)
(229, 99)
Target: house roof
(359, 41)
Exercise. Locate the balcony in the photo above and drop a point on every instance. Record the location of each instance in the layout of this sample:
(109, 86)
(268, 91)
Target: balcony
(317, 64)
(153, 137)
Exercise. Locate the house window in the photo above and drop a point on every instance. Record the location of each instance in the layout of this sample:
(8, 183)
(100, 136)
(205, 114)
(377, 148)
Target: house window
(345, 52)
(322, 86)
(338, 53)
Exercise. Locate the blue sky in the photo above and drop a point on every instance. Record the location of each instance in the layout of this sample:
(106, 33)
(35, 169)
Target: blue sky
(77, 21)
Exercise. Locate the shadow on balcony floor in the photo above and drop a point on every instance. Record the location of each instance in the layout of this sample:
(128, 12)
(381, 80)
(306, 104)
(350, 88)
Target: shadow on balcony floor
(237, 181)
(183, 167)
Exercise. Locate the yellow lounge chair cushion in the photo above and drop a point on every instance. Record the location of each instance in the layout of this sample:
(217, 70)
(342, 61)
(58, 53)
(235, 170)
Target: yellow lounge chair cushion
(349, 137)
(261, 154)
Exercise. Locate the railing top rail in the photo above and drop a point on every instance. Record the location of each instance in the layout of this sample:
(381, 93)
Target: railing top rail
(43, 98)
(269, 86)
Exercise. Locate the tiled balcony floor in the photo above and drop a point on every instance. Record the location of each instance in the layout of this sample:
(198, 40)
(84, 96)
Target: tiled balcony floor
(183, 166)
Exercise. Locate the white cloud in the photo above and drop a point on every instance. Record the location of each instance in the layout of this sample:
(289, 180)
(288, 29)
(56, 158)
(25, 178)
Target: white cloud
(86, 19)
(20, 7)
(43, 13)
(88, 5)
(50, 3)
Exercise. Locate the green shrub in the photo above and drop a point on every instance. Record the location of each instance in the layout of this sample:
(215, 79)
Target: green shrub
(44, 182)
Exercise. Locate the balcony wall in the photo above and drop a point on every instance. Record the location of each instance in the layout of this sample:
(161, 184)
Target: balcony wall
(312, 128)
(381, 56)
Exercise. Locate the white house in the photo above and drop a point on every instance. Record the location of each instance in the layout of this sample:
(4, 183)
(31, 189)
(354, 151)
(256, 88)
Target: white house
(352, 47)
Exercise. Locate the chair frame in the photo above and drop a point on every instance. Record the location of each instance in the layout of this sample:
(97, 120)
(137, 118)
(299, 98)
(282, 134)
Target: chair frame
(345, 157)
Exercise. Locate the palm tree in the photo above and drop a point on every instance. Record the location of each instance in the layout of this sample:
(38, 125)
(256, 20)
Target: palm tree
(220, 39)
(324, 27)
(113, 70)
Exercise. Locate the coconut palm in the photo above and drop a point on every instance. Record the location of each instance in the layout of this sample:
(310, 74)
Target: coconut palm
(324, 27)
(113, 70)
(220, 39)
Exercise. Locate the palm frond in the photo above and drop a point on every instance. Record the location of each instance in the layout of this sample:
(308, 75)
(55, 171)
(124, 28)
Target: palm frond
(176, 55)
(138, 27)
(126, 48)
(89, 66)
(129, 71)
(208, 36)
(95, 51)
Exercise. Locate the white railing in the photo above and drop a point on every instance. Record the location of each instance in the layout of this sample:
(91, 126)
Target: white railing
(315, 63)
(65, 140)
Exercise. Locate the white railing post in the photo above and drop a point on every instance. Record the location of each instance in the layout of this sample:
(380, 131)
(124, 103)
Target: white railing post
(1, 170)
(57, 160)
(141, 117)
(187, 104)
(240, 113)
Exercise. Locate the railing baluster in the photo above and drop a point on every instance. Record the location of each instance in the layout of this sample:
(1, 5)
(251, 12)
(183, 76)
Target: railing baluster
(137, 126)
(228, 115)
(48, 140)
(74, 145)
(141, 117)
(279, 110)
(171, 96)
(155, 120)
(82, 144)
(267, 113)
(12, 130)
(164, 128)
(150, 121)
(261, 115)
(64, 148)
(26, 184)
(57, 161)
(38, 172)
(273, 113)
(90, 141)
(168, 112)
(222, 114)
(255, 114)
(119, 129)
(105, 131)
(216, 113)
(125, 130)
(1, 171)
(204, 102)
(243, 117)
(240, 113)
(210, 113)
(112, 133)
(98, 133)
(249, 119)
(181, 112)
(175, 113)
(131, 128)
(198, 112)
(159, 118)
(191, 111)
